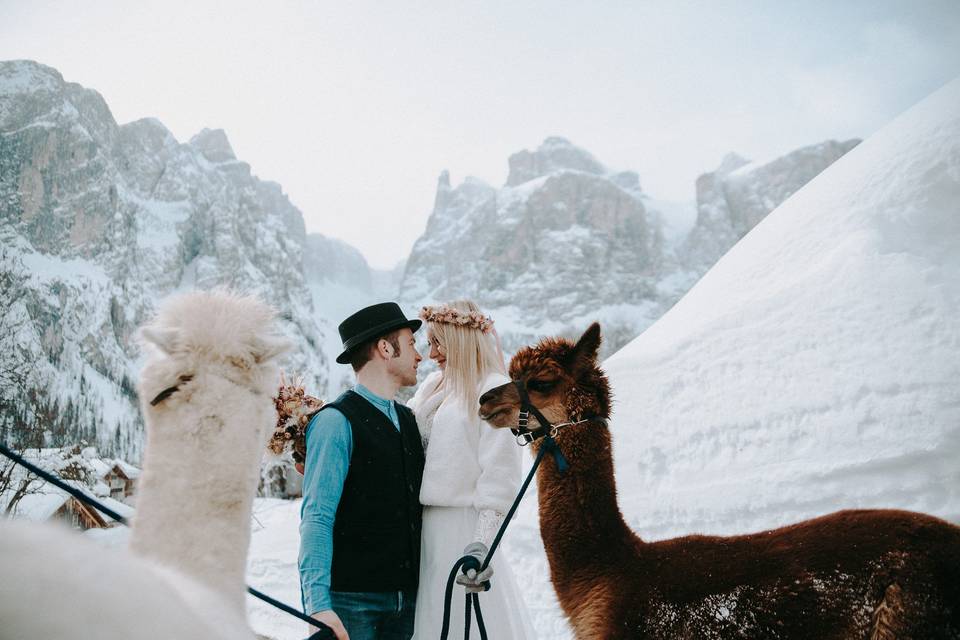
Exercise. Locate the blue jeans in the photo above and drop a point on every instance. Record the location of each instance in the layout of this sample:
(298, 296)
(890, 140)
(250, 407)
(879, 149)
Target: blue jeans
(376, 615)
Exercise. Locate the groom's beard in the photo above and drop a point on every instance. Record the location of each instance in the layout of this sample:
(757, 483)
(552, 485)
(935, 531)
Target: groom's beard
(409, 380)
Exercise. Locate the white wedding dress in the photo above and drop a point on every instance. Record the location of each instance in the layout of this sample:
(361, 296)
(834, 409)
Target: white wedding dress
(447, 530)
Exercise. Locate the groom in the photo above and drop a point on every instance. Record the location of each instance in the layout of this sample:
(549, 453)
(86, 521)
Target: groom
(361, 515)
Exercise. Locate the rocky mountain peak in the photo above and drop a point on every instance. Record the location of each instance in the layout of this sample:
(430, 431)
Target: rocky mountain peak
(213, 144)
(108, 219)
(555, 154)
(564, 240)
(27, 76)
(730, 163)
(736, 196)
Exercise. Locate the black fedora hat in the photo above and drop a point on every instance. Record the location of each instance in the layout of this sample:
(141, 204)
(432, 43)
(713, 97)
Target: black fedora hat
(369, 323)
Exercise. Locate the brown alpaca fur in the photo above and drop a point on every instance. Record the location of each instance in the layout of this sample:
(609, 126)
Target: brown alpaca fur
(878, 574)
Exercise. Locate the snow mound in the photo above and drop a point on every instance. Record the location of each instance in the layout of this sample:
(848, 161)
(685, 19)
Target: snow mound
(816, 366)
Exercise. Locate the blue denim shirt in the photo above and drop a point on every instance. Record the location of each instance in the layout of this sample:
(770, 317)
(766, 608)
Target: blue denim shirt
(329, 448)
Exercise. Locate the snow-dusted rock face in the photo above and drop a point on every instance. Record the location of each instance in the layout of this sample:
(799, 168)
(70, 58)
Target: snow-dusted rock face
(564, 240)
(104, 220)
(332, 260)
(739, 194)
(567, 241)
(555, 154)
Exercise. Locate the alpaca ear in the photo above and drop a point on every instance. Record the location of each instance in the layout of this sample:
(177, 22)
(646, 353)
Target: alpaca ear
(587, 349)
(268, 348)
(164, 339)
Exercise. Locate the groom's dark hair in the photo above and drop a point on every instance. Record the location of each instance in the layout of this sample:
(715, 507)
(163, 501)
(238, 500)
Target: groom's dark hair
(364, 353)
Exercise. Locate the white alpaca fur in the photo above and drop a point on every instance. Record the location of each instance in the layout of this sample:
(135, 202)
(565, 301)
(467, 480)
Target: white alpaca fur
(184, 574)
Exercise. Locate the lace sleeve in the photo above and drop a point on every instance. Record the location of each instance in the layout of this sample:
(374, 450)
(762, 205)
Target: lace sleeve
(487, 526)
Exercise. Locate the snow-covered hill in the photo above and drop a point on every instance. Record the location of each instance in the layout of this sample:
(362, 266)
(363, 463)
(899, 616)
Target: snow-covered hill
(817, 364)
(102, 220)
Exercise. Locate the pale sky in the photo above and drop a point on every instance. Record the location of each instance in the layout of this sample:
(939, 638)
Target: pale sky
(356, 107)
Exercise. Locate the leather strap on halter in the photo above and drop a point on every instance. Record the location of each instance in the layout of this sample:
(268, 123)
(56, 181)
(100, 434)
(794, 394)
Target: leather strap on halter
(546, 430)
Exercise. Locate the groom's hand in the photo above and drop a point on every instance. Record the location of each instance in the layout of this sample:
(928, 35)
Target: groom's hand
(476, 582)
(332, 620)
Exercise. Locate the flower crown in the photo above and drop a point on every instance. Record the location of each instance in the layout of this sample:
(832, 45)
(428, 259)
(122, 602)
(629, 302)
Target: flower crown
(445, 314)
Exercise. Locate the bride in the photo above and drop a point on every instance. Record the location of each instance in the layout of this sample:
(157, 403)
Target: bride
(472, 472)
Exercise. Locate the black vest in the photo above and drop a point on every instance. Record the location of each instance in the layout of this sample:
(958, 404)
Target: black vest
(376, 534)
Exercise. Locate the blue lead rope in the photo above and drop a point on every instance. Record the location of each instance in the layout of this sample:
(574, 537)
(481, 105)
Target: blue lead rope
(469, 562)
(551, 445)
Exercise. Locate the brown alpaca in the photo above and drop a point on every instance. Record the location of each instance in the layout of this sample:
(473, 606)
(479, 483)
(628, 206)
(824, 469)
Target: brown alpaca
(875, 575)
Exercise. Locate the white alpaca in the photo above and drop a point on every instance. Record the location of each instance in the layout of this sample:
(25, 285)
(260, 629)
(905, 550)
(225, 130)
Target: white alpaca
(206, 392)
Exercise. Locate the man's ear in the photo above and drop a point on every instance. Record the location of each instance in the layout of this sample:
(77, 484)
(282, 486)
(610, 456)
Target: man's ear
(586, 350)
(384, 348)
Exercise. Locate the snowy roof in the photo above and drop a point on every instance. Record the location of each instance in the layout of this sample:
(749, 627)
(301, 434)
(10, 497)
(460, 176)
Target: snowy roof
(131, 471)
(122, 509)
(100, 467)
(38, 506)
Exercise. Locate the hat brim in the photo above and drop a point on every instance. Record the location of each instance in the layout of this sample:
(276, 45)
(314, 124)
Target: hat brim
(373, 332)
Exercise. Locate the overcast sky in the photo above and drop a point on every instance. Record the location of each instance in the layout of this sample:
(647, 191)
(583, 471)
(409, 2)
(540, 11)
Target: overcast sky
(356, 107)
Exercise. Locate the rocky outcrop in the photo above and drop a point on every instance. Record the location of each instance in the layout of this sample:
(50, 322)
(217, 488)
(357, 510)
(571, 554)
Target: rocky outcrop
(733, 199)
(564, 240)
(107, 219)
(567, 241)
(331, 260)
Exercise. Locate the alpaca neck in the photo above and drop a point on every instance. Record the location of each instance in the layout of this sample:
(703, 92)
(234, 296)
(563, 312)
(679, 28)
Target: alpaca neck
(580, 521)
(195, 498)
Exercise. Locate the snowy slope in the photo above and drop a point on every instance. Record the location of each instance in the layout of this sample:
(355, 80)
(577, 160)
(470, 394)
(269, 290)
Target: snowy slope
(816, 366)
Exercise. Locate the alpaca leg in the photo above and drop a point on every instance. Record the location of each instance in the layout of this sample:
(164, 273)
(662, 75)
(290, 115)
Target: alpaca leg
(888, 616)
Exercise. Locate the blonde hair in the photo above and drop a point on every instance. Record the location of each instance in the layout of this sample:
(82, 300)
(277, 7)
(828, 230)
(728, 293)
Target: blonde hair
(471, 354)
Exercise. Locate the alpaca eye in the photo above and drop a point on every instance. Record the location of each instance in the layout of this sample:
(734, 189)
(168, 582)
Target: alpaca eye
(541, 386)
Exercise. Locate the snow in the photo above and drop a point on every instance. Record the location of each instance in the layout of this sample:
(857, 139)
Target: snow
(120, 508)
(24, 76)
(814, 367)
(116, 409)
(272, 567)
(46, 268)
(39, 506)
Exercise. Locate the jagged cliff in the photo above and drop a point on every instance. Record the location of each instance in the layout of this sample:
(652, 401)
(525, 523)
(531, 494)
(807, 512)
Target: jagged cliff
(566, 241)
(101, 220)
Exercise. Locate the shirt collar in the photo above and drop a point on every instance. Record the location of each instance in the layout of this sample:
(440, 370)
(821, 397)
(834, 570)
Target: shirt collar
(372, 397)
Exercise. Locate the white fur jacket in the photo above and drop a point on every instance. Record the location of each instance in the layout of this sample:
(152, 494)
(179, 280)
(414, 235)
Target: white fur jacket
(468, 462)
